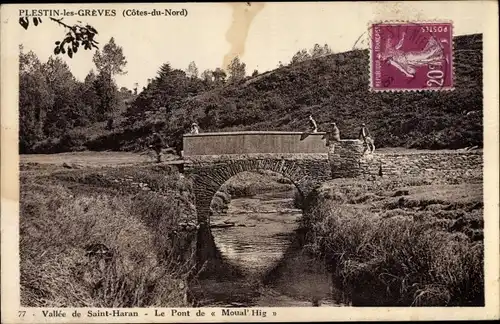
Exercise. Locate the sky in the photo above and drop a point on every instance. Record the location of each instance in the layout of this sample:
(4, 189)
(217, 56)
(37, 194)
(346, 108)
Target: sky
(211, 34)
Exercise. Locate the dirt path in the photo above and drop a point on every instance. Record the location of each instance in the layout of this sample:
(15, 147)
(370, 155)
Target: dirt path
(90, 158)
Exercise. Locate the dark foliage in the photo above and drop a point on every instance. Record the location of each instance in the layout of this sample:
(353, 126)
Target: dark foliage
(59, 113)
(77, 35)
(334, 88)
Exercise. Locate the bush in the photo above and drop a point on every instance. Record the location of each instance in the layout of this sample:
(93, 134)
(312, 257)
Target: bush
(72, 142)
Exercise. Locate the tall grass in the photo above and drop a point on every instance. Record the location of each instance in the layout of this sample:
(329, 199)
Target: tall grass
(401, 257)
(148, 262)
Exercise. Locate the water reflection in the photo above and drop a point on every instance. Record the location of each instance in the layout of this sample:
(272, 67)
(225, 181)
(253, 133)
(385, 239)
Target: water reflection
(259, 244)
(263, 229)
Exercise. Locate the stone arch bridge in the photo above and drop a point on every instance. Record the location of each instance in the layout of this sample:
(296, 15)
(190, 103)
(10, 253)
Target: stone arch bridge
(210, 159)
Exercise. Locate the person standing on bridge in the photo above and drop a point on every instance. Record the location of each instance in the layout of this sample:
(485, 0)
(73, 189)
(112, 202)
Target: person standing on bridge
(157, 145)
(364, 135)
(335, 132)
(333, 135)
(313, 127)
(195, 129)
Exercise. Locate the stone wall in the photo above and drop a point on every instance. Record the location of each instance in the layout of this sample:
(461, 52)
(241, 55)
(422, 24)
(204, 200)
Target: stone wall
(422, 163)
(210, 163)
(344, 157)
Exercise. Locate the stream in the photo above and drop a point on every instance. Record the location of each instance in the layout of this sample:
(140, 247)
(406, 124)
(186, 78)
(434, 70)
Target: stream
(261, 268)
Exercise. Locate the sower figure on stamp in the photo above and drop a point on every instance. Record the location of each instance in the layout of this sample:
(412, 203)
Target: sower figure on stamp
(408, 61)
(313, 127)
(364, 135)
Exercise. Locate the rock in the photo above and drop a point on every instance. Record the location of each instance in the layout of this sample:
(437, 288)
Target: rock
(66, 165)
(98, 249)
(401, 193)
(221, 225)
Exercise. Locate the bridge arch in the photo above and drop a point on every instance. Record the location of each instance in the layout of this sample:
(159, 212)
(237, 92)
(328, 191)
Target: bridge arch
(208, 179)
(210, 159)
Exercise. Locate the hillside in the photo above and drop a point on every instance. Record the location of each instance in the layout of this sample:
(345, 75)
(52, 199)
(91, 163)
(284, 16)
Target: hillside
(332, 88)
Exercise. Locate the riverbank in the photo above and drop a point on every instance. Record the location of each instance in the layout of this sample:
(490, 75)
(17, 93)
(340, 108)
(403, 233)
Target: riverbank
(401, 241)
(102, 237)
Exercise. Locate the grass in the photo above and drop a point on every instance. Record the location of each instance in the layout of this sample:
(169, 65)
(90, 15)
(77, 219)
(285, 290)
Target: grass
(390, 242)
(64, 212)
(420, 249)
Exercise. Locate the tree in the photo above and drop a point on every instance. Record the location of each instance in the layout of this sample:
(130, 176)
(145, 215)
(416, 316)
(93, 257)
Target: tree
(236, 70)
(327, 50)
(90, 97)
(77, 35)
(136, 86)
(207, 76)
(64, 85)
(319, 51)
(219, 76)
(300, 56)
(192, 70)
(90, 78)
(110, 60)
(107, 92)
(35, 99)
(255, 73)
(316, 51)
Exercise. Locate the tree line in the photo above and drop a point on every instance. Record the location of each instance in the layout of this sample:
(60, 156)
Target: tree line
(173, 85)
(52, 101)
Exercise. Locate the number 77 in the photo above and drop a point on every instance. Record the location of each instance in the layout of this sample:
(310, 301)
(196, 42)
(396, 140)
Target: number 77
(22, 313)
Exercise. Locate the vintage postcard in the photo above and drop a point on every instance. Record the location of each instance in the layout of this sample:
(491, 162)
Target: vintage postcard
(249, 161)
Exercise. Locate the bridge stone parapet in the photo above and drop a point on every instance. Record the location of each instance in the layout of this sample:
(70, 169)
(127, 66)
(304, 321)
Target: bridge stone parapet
(344, 158)
(273, 142)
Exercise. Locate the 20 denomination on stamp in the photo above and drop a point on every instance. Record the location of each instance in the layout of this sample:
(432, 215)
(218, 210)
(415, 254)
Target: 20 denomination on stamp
(411, 56)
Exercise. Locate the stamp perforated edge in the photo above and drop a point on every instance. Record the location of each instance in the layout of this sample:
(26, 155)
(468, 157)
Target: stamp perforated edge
(402, 22)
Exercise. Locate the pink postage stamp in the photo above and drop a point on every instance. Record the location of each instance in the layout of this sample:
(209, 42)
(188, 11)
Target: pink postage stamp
(411, 56)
